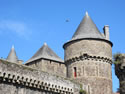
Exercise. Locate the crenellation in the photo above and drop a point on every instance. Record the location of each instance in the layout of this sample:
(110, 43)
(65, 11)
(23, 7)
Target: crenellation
(90, 52)
(89, 57)
(86, 66)
(31, 81)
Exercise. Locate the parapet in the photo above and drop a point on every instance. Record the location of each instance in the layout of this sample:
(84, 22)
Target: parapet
(22, 75)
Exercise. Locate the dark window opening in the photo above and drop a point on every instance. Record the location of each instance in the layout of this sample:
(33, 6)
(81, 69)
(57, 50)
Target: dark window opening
(50, 61)
(75, 72)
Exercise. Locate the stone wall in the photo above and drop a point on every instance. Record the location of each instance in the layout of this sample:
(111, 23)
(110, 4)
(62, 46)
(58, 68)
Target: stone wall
(49, 66)
(90, 64)
(20, 79)
(9, 88)
(92, 47)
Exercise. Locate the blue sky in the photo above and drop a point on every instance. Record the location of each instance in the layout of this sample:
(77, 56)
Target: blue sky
(27, 24)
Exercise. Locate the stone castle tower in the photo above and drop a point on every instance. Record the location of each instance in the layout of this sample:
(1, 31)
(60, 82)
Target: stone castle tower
(88, 58)
(47, 60)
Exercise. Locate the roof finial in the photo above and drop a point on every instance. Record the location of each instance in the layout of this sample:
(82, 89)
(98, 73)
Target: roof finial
(87, 13)
(45, 53)
(12, 46)
(45, 43)
(87, 29)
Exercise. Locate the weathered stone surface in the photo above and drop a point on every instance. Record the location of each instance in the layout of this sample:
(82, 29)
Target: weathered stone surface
(49, 66)
(93, 70)
(88, 59)
(91, 47)
(20, 79)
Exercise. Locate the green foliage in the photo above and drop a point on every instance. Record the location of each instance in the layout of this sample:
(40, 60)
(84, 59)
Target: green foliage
(82, 91)
(118, 58)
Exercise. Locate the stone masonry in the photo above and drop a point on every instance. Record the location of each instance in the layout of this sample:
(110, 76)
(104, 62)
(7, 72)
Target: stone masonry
(20, 79)
(88, 58)
(86, 66)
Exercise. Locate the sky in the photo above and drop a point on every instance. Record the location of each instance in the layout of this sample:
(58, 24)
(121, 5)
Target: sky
(27, 24)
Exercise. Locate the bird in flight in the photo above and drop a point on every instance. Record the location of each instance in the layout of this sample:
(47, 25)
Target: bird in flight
(67, 20)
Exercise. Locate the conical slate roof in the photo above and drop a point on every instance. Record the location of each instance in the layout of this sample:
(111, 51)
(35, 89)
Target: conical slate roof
(87, 29)
(46, 53)
(12, 57)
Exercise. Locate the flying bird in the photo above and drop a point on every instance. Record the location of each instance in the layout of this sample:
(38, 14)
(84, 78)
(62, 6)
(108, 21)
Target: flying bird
(67, 20)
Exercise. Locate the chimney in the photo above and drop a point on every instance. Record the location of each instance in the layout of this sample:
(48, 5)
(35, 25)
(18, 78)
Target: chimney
(106, 32)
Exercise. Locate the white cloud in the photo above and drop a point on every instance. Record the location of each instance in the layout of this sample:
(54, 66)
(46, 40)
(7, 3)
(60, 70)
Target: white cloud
(19, 28)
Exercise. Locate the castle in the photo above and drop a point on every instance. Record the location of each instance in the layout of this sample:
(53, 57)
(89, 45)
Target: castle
(86, 66)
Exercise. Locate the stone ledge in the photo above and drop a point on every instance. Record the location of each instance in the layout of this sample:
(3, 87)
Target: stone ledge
(23, 75)
(89, 57)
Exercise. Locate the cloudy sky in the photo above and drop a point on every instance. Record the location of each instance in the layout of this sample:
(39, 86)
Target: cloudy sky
(27, 24)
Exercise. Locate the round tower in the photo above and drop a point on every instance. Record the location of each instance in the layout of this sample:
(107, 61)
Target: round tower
(88, 57)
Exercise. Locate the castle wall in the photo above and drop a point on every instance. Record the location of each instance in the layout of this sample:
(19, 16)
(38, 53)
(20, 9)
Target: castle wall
(89, 62)
(49, 66)
(7, 88)
(20, 79)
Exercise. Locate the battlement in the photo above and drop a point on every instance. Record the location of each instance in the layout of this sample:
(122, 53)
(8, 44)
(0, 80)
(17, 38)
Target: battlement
(25, 76)
(87, 61)
(89, 57)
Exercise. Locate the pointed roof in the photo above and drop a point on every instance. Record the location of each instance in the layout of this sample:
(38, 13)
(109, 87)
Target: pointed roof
(12, 57)
(46, 53)
(87, 29)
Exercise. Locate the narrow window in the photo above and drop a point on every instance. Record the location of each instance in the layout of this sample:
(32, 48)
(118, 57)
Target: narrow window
(75, 72)
(83, 70)
(88, 89)
(50, 62)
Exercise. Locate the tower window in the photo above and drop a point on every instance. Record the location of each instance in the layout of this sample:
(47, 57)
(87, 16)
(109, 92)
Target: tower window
(75, 72)
(50, 62)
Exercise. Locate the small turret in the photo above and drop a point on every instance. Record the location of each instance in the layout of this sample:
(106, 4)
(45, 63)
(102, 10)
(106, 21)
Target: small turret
(12, 57)
(47, 60)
